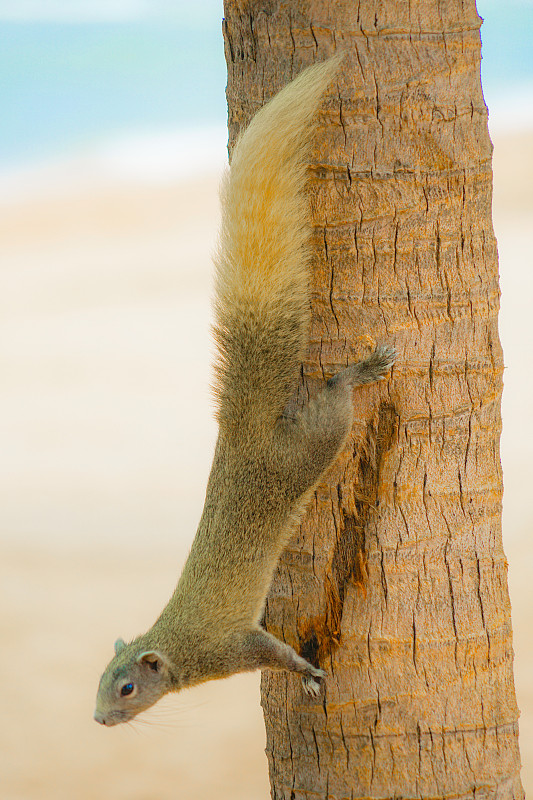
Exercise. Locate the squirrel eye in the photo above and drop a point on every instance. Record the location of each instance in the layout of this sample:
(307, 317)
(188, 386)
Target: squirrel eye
(126, 689)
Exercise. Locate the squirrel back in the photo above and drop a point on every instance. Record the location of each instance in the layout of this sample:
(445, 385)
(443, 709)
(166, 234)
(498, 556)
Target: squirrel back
(262, 262)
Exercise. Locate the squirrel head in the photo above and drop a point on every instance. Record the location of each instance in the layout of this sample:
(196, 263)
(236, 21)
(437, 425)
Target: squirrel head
(134, 680)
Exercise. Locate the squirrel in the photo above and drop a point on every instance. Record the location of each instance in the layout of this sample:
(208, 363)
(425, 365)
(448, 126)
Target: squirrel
(267, 462)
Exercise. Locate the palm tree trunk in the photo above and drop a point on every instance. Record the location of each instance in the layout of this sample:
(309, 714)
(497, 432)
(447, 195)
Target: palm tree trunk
(396, 582)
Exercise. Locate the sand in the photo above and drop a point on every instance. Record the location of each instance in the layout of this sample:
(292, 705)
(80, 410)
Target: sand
(107, 435)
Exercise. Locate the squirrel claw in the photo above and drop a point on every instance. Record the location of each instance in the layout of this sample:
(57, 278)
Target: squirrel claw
(383, 358)
(310, 685)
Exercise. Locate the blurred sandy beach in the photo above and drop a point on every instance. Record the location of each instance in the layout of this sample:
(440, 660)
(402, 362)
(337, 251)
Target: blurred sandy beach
(107, 432)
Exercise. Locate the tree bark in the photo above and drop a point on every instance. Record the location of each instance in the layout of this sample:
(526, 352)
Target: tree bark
(396, 582)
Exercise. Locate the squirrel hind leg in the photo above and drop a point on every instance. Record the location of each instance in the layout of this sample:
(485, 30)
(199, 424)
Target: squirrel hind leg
(371, 369)
(261, 650)
(313, 438)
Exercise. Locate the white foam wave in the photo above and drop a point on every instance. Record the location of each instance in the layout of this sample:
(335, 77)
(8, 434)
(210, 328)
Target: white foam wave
(510, 111)
(167, 155)
(150, 157)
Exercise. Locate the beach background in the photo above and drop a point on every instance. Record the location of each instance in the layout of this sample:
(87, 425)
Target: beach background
(112, 141)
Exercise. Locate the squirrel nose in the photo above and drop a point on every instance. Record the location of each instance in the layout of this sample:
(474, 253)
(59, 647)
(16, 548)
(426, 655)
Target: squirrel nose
(99, 717)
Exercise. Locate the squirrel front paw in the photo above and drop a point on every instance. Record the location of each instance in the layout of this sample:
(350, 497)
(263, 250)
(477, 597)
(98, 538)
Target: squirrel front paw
(261, 649)
(310, 685)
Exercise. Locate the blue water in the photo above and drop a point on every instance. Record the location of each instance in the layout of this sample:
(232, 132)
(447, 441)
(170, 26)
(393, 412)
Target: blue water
(507, 43)
(66, 85)
(63, 85)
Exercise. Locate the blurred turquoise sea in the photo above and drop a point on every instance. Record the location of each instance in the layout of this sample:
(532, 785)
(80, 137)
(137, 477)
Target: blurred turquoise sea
(68, 84)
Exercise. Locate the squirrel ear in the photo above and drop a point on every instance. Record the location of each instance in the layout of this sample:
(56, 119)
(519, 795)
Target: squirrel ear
(120, 644)
(152, 659)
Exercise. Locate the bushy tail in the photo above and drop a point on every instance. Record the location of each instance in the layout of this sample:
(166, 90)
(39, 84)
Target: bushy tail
(262, 263)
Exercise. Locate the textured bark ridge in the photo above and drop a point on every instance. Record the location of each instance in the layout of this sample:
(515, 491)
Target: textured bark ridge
(396, 581)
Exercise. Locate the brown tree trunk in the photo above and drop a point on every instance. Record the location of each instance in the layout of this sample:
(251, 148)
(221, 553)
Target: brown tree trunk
(396, 582)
